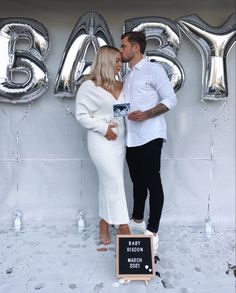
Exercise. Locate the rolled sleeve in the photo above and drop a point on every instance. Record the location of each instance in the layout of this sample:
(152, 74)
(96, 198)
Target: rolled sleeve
(164, 88)
(167, 95)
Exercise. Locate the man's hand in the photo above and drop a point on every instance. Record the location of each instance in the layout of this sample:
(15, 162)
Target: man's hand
(111, 135)
(138, 116)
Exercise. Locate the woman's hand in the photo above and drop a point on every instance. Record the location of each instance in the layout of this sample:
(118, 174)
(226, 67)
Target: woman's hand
(110, 134)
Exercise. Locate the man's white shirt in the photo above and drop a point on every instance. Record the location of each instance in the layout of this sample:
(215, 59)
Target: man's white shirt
(145, 86)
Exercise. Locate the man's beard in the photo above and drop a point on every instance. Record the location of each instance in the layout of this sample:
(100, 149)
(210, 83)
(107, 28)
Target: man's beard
(125, 60)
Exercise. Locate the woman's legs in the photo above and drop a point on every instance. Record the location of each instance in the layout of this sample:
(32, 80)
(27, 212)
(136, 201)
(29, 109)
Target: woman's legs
(104, 232)
(123, 229)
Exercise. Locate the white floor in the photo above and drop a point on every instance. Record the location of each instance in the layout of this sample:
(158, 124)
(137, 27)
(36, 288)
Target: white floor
(56, 258)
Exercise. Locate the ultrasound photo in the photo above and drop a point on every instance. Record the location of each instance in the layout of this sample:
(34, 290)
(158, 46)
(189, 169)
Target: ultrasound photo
(121, 110)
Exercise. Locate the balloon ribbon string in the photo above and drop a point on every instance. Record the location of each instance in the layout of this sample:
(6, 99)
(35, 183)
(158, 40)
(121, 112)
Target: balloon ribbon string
(214, 124)
(68, 110)
(26, 113)
(17, 139)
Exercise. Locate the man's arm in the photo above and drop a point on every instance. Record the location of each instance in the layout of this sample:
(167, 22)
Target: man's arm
(166, 93)
(157, 110)
(140, 116)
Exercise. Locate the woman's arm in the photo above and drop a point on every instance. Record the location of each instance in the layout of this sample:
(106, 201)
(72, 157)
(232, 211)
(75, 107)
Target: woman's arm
(85, 110)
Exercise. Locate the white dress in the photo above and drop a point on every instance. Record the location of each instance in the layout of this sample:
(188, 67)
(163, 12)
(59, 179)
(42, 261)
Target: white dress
(94, 110)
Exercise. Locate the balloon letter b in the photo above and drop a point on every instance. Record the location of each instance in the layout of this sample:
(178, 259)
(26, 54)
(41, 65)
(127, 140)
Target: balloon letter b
(167, 34)
(27, 61)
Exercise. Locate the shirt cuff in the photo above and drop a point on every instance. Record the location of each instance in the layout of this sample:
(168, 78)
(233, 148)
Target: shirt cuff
(101, 127)
(170, 103)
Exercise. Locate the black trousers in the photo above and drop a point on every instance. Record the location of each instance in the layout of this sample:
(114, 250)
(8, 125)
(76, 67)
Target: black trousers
(144, 164)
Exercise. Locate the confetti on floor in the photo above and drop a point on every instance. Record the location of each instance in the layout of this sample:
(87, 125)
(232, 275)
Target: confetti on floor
(51, 258)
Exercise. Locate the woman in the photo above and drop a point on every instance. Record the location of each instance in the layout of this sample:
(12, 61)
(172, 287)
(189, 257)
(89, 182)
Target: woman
(106, 141)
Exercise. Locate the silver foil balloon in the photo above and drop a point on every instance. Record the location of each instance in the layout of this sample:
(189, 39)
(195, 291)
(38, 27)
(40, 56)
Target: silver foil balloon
(214, 44)
(167, 35)
(172, 67)
(91, 29)
(27, 62)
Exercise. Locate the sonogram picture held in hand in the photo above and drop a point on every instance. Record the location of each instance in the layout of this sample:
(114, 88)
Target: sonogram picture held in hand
(121, 110)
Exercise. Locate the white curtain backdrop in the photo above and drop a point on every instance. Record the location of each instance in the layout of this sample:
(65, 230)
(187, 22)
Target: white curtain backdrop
(55, 177)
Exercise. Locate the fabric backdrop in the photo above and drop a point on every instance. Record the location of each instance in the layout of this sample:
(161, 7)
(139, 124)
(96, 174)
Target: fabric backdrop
(55, 177)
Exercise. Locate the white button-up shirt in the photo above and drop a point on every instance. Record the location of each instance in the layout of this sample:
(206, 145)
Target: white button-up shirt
(145, 86)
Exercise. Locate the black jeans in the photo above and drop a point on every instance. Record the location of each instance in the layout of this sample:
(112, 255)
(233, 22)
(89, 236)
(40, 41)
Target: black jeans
(144, 166)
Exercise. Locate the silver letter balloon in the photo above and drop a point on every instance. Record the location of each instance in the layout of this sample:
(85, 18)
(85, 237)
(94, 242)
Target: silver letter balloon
(167, 35)
(214, 44)
(25, 63)
(91, 29)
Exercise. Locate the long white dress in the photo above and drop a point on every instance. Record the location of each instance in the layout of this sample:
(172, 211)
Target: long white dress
(94, 110)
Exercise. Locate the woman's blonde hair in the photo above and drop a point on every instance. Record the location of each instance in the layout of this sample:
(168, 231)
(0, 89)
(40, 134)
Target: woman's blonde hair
(103, 67)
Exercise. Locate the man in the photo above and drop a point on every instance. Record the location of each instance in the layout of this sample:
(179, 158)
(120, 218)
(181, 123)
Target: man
(150, 94)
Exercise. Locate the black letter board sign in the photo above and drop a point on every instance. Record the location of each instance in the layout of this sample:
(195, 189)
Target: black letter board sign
(134, 257)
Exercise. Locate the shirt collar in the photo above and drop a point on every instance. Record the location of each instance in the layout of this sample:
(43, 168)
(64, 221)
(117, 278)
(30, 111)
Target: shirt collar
(140, 64)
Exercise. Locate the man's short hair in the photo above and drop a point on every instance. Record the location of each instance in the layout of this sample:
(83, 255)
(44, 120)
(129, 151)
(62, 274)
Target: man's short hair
(136, 38)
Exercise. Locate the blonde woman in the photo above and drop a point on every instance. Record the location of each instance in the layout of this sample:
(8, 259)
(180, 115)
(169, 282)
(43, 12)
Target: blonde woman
(105, 137)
